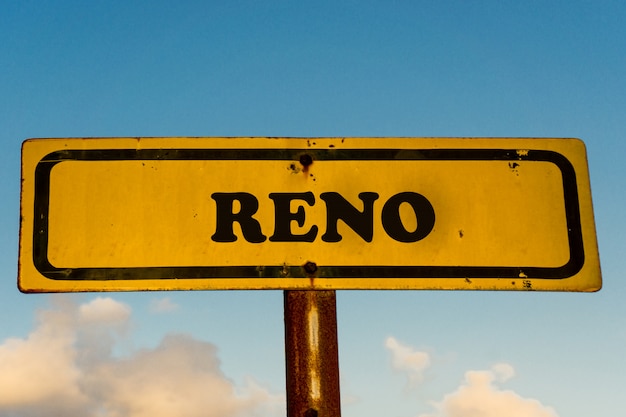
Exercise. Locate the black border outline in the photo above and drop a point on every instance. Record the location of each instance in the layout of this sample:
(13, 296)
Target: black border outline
(42, 195)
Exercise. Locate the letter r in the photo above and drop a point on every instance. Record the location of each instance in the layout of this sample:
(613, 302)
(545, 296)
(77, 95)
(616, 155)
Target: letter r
(250, 227)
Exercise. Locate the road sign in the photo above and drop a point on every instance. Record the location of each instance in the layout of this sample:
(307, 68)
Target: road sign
(306, 213)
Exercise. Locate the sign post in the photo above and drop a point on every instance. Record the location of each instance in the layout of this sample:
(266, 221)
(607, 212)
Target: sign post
(311, 354)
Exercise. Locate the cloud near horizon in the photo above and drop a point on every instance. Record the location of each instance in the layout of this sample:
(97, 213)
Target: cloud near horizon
(407, 360)
(65, 367)
(480, 395)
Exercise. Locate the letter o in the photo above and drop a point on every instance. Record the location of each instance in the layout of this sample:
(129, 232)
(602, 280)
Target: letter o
(392, 223)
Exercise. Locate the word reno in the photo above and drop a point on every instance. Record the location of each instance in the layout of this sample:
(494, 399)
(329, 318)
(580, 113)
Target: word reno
(337, 208)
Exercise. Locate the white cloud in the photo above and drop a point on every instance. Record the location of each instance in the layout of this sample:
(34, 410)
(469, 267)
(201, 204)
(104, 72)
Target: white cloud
(406, 359)
(503, 372)
(104, 310)
(65, 367)
(42, 368)
(163, 305)
(180, 377)
(479, 396)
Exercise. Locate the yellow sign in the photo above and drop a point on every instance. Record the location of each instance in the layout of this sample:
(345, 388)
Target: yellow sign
(306, 213)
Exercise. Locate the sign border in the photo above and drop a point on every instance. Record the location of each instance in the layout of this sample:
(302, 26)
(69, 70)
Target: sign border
(47, 163)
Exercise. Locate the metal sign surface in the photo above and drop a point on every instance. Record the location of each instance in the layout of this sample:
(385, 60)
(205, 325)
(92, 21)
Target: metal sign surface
(123, 214)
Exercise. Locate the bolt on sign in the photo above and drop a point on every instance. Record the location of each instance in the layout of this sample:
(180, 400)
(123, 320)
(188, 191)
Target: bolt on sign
(123, 214)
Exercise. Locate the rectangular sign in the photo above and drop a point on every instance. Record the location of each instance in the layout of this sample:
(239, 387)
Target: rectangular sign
(123, 214)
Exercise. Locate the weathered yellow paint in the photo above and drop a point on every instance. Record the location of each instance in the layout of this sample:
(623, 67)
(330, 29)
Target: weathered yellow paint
(130, 215)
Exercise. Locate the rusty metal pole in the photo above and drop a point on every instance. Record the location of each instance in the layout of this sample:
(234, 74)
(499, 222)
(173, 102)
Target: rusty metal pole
(311, 353)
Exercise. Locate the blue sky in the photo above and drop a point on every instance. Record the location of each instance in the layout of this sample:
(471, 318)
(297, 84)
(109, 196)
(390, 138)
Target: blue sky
(367, 68)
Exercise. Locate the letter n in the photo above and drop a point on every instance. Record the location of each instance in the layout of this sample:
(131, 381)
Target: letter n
(337, 207)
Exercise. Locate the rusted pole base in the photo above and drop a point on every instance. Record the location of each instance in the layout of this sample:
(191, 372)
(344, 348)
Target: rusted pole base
(311, 352)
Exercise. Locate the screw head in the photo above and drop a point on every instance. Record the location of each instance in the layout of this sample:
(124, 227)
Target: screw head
(306, 160)
(310, 267)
